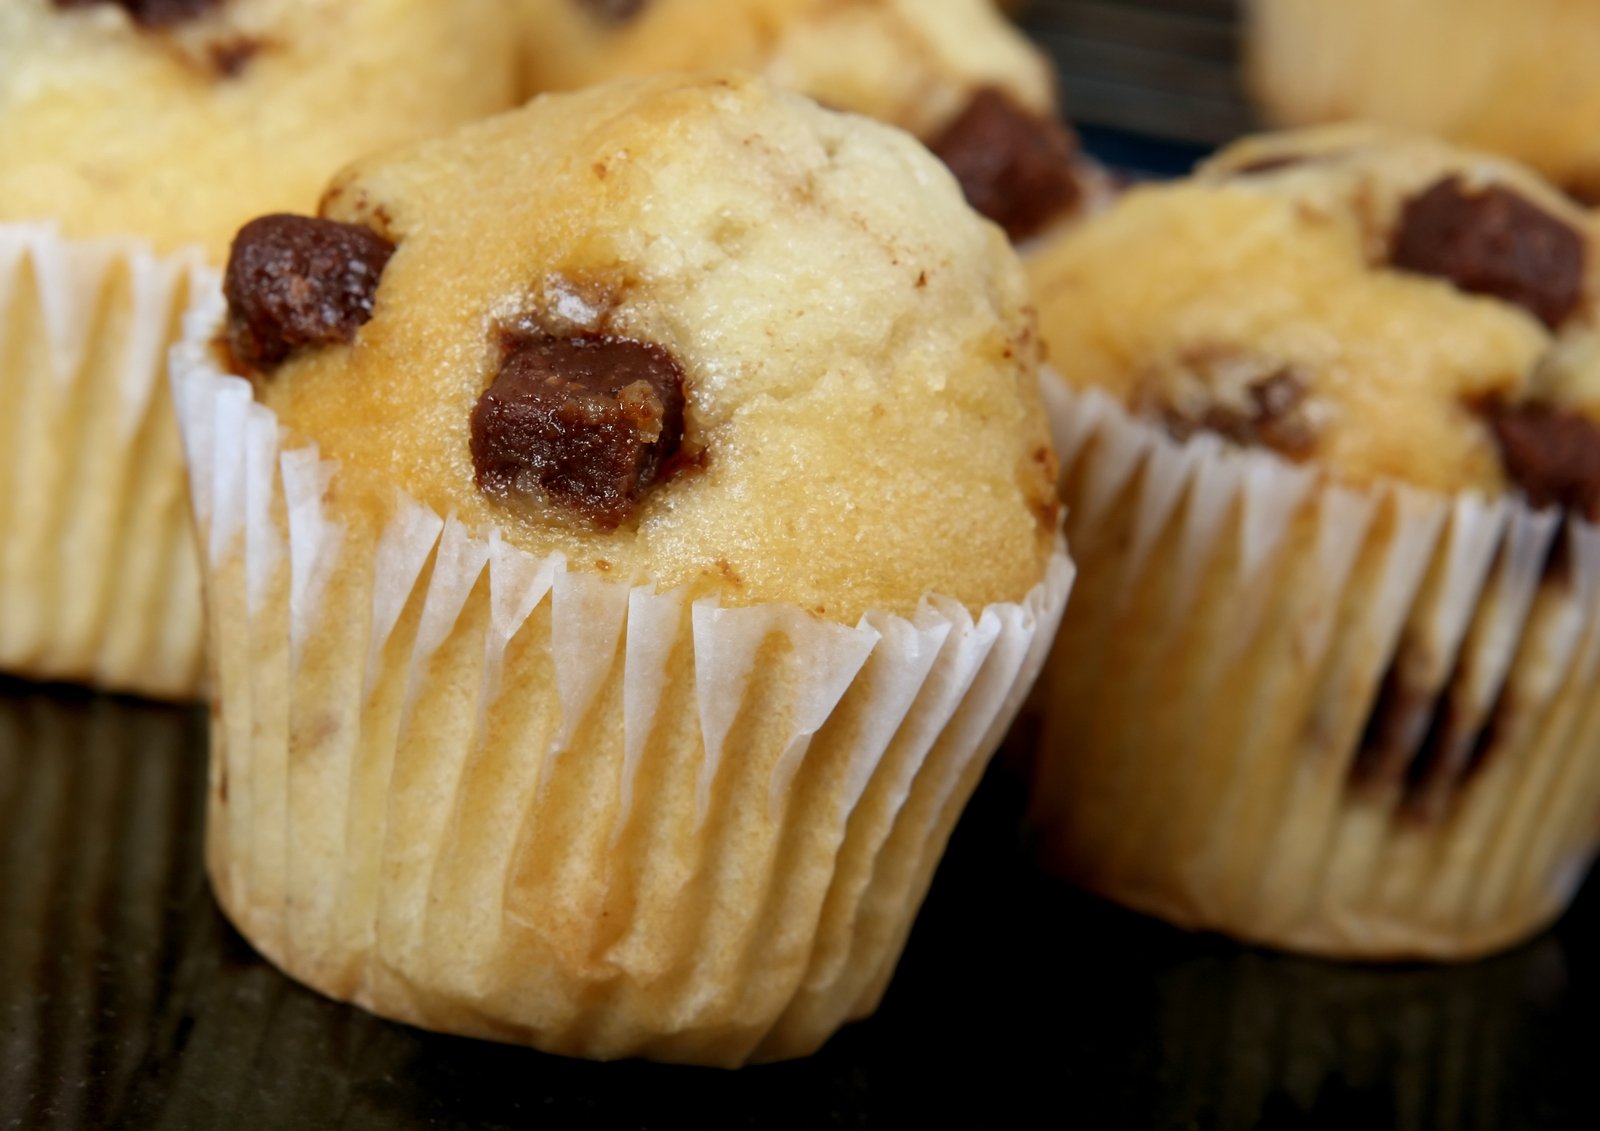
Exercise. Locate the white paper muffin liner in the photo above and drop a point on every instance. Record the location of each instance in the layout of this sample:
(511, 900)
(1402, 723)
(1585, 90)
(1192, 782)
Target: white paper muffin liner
(1352, 722)
(99, 577)
(467, 788)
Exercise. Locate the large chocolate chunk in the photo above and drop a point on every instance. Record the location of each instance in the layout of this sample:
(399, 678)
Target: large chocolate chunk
(1553, 454)
(294, 281)
(153, 13)
(1017, 168)
(1489, 241)
(587, 422)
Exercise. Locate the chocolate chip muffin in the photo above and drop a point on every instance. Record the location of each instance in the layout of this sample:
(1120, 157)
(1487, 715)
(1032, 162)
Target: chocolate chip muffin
(1331, 451)
(952, 72)
(136, 137)
(1518, 79)
(173, 121)
(580, 579)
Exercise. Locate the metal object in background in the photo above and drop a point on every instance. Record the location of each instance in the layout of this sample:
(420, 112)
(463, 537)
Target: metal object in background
(1165, 68)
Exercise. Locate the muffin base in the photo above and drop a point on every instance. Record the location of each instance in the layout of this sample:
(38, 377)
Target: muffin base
(99, 576)
(1354, 723)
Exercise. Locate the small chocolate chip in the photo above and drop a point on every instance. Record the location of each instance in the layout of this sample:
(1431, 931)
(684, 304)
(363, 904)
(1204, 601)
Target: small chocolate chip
(613, 11)
(1016, 167)
(1553, 454)
(586, 422)
(294, 281)
(1488, 240)
(153, 13)
(1270, 420)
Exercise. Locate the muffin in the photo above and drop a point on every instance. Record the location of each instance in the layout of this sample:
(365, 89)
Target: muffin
(137, 137)
(1515, 78)
(594, 665)
(952, 72)
(1327, 414)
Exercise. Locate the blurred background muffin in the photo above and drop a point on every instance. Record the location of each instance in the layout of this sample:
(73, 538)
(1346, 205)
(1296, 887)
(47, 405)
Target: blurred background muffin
(1516, 78)
(1331, 452)
(172, 121)
(952, 72)
(137, 136)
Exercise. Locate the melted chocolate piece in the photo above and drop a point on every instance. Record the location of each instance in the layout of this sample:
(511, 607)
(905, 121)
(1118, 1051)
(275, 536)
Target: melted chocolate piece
(1553, 454)
(587, 422)
(1420, 747)
(294, 281)
(613, 11)
(1490, 241)
(153, 13)
(1015, 167)
(1269, 422)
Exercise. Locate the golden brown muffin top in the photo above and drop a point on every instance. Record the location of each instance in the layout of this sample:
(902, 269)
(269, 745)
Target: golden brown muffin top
(174, 120)
(689, 329)
(1386, 305)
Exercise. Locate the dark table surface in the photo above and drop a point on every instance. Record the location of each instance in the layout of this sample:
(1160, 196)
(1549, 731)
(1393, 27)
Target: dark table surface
(126, 1000)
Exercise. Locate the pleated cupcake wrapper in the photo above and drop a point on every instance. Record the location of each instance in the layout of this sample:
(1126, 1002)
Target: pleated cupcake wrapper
(1356, 722)
(469, 788)
(99, 577)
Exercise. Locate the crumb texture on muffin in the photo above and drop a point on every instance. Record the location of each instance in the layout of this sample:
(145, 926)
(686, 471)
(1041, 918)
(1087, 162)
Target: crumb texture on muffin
(1386, 305)
(172, 119)
(837, 447)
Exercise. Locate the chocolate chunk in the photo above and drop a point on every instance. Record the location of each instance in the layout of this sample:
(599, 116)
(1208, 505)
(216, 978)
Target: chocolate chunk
(1017, 168)
(1270, 420)
(294, 281)
(587, 422)
(1403, 718)
(1422, 748)
(1487, 240)
(1553, 454)
(153, 13)
(613, 11)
